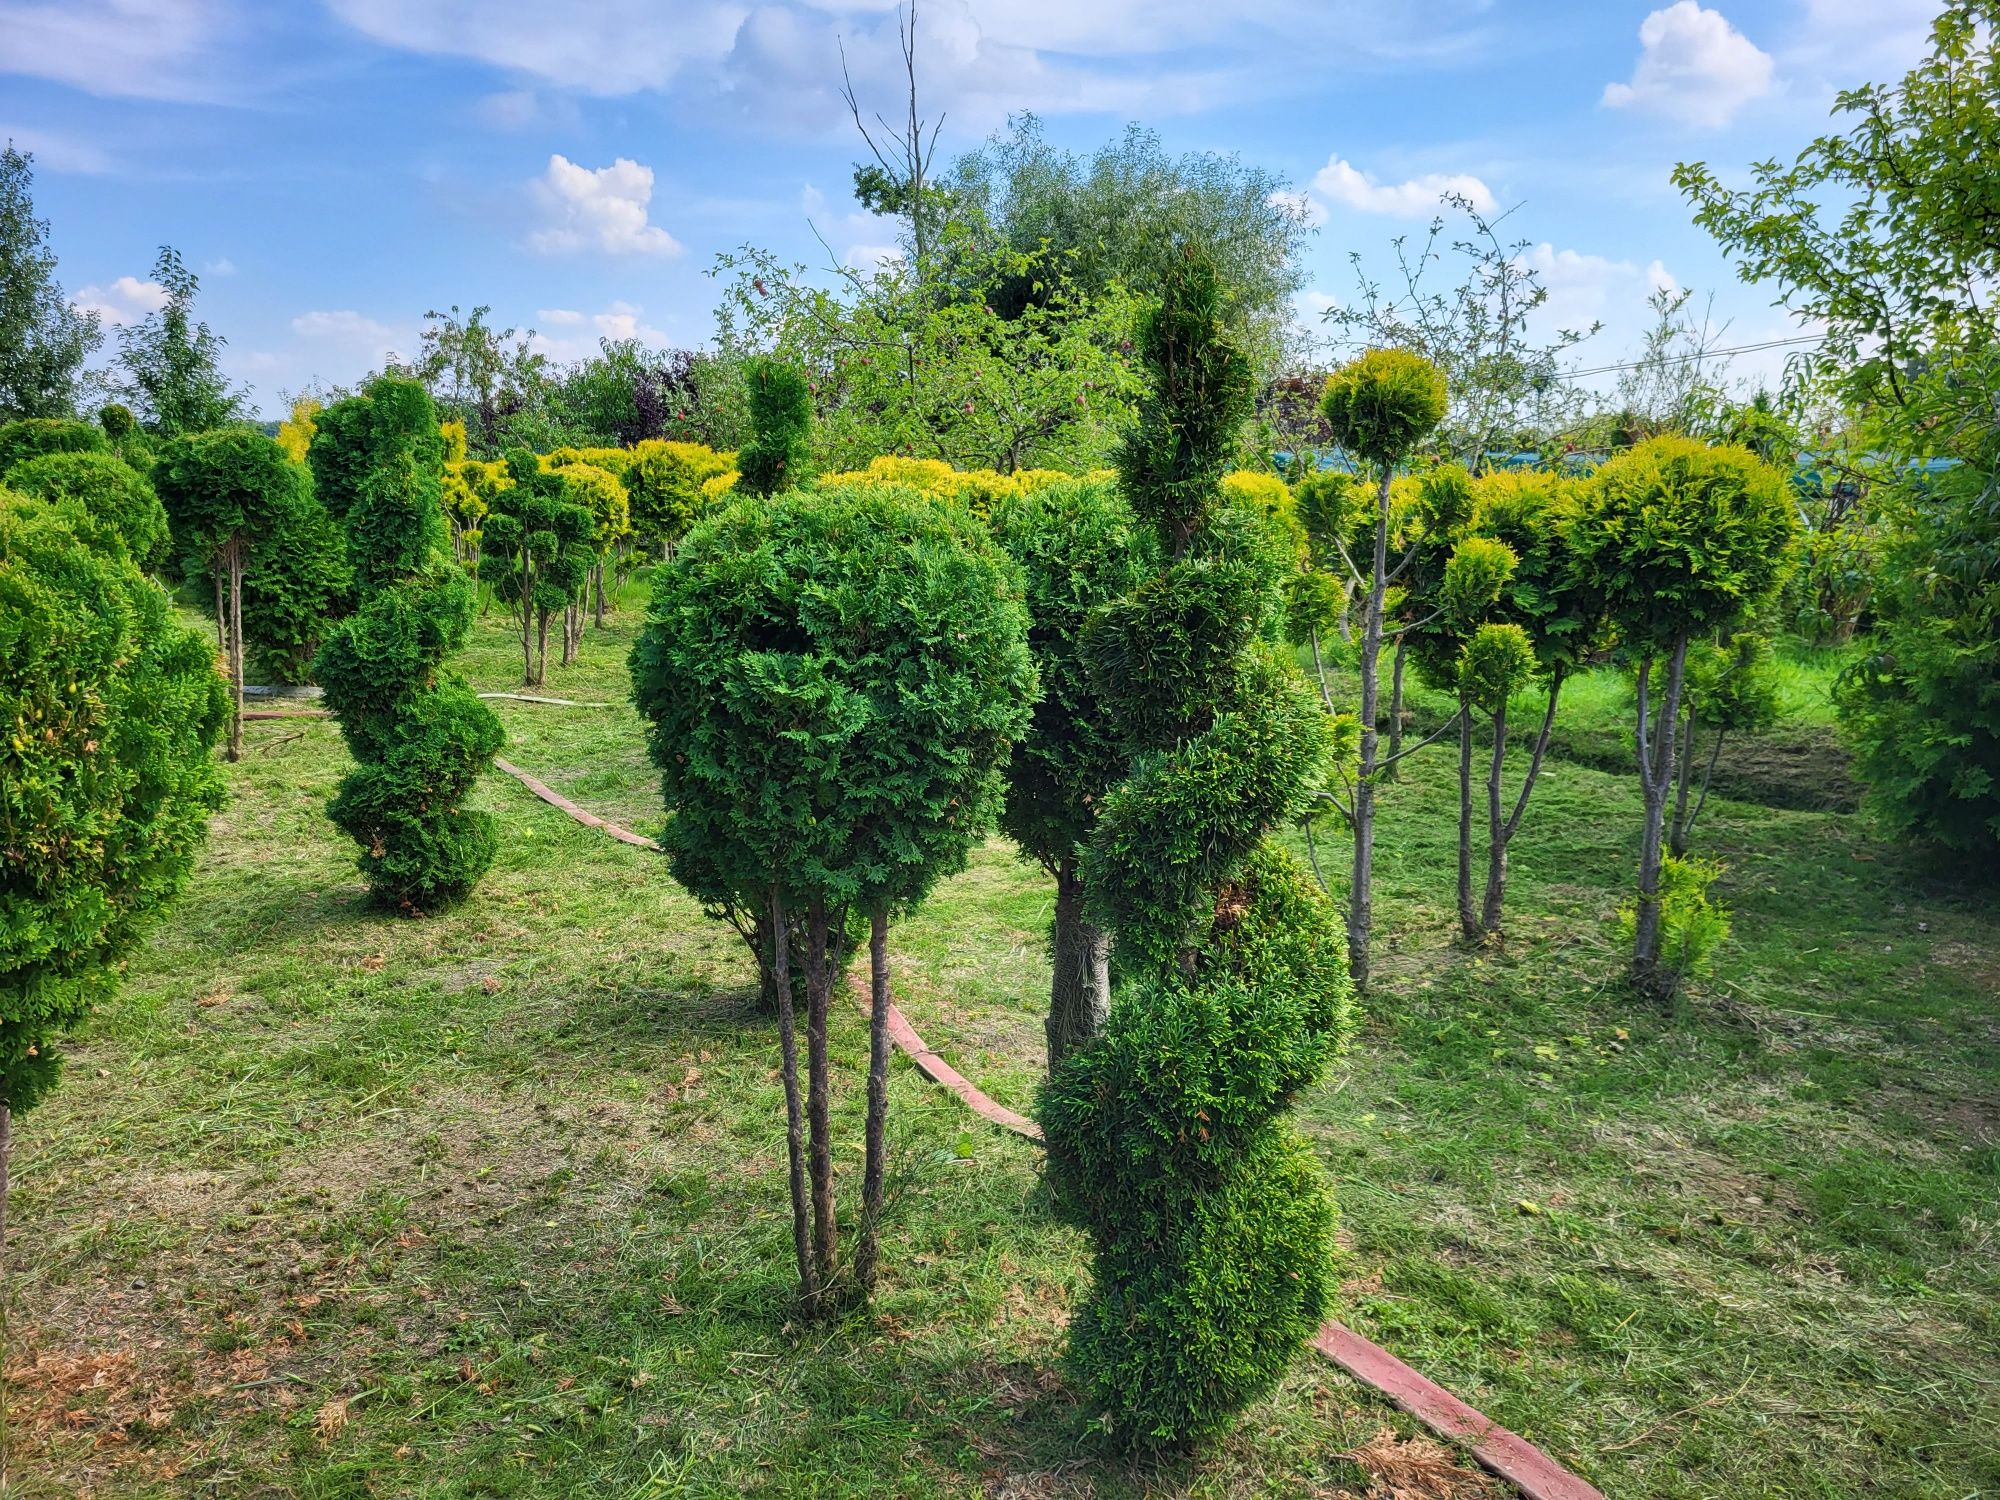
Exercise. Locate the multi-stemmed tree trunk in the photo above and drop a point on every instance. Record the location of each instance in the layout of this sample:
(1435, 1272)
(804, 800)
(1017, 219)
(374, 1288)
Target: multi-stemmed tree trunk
(1500, 833)
(1361, 889)
(788, 1068)
(875, 1148)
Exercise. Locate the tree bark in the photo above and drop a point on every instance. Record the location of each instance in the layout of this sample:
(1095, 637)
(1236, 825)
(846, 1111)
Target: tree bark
(1496, 853)
(541, 647)
(528, 677)
(1496, 828)
(236, 647)
(1080, 986)
(1360, 895)
(597, 575)
(788, 1067)
(1468, 927)
(819, 989)
(1392, 770)
(1656, 764)
(875, 1148)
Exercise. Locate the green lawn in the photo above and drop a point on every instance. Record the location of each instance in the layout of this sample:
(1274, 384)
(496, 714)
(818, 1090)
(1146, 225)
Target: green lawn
(334, 1204)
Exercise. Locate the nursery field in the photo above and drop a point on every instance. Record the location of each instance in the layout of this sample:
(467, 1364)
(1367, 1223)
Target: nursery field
(494, 1204)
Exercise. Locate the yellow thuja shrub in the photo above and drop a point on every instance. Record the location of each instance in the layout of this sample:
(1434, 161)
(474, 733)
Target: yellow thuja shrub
(1270, 496)
(295, 433)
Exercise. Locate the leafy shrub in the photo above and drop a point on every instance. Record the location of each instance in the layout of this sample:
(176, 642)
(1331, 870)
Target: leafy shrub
(34, 437)
(1211, 1227)
(109, 489)
(114, 710)
(1381, 404)
(1692, 926)
(419, 735)
(535, 551)
(664, 483)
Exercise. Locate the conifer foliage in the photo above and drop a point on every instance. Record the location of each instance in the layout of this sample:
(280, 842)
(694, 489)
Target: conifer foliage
(536, 552)
(1210, 1222)
(419, 735)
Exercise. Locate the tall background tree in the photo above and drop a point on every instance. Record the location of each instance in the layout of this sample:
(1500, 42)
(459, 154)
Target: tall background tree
(170, 362)
(1887, 233)
(1210, 1223)
(44, 341)
(419, 735)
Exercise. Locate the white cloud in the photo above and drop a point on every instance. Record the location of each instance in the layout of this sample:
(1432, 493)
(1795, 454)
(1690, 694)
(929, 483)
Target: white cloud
(55, 152)
(869, 239)
(1693, 67)
(1302, 203)
(524, 109)
(126, 300)
(222, 265)
(1341, 182)
(558, 315)
(605, 209)
(146, 49)
(618, 320)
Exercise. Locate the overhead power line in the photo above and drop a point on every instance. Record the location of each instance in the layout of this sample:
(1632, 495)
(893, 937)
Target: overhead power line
(1682, 359)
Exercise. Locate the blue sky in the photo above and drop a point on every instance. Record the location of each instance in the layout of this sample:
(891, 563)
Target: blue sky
(335, 169)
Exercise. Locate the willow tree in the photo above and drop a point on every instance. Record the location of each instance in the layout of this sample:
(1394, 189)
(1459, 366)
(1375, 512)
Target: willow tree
(832, 683)
(1210, 1222)
(419, 735)
(115, 710)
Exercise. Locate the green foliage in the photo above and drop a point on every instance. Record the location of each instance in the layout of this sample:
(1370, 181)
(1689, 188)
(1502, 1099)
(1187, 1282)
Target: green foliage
(1732, 686)
(1171, 465)
(1692, 926)
(237, 484)
(1382, 403)
(1922, 706)
(776, 457)
(1496, 663)
(535, 550)
(45, 342)
(1550, 593)
(1475, 575)
(1078, 548)
(108, 488)
(419, 735)
(35, 437)
(1684, 539)
(663, 485)
(171, 362)
(110, 710)
(831, 684)
(599, 493)
(1210, 1224)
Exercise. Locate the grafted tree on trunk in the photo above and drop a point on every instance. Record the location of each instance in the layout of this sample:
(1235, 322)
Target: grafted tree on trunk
(846, 754)
(1684, 542)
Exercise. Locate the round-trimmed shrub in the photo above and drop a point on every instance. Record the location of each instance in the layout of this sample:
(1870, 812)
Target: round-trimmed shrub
(109, 712)
(419, 734)
(33, 437)
(110, 489)
(1211, 1225)
(1381, 404)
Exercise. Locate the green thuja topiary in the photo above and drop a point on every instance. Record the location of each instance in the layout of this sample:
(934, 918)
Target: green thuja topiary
(109, 714)
(32, 437)
(777, 458)
(419, 735)
(535, 551)
(1211, 1226)
(111, 490)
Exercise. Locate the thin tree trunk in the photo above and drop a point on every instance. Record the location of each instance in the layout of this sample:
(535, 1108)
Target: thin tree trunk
(236, 647)
(221, 608)
(788, 1067)
(1392, 770)
(1678, 826)
(1467, 926)
(1656, 763)
(1360, 895)
(1080, 985)
(528, 676)
(819, 986)
(874, 1147)
(1685, 833)
(541, 646)
(1319, 669)
(599, 574)
(1496, 853)
(1496, 827)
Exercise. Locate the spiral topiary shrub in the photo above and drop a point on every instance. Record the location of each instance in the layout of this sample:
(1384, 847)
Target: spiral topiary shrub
(1210, 1223)
(111, 490)
(419, 735)
(109, 714)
